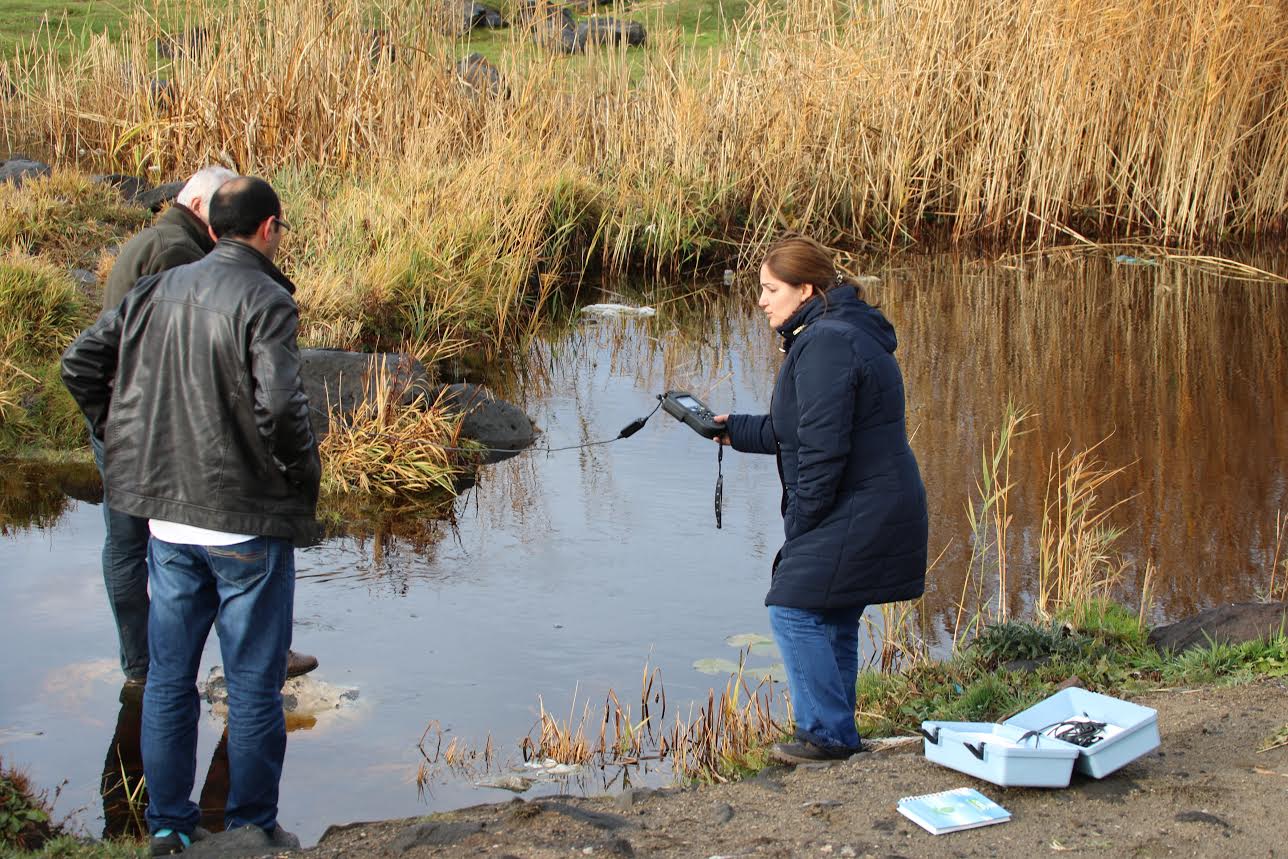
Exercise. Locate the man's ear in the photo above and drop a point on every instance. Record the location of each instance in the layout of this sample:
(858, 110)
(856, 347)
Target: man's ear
(211, 231)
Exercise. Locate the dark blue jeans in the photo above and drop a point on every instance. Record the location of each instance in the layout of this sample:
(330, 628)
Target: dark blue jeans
(125, 575)
(247, 592)
(821, 654)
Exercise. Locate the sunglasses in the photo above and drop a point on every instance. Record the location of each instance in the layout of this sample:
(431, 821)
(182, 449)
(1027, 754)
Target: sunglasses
(281, 224)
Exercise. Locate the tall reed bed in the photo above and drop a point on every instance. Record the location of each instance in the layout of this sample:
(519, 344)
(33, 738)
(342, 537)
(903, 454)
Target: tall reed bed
(1019, 120)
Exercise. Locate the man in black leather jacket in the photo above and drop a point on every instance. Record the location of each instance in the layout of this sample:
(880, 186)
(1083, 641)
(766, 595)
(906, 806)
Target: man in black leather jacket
(208, 437)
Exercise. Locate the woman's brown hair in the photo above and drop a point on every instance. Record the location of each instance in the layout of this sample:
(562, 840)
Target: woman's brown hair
(799, 260)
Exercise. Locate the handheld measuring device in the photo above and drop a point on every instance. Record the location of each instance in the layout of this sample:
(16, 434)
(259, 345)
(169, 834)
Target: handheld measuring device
(687, 408)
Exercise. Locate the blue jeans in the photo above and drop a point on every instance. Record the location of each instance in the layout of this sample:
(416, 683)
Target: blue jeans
(248, 592)
(125, 575)
(821, 654)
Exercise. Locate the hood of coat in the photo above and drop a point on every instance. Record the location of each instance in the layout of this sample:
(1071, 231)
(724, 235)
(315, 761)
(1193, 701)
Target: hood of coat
(843, 305)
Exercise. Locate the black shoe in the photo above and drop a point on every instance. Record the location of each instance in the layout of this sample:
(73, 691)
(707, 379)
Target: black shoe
(805, 752)
(299, 663)
(167, 842)
(283, 840)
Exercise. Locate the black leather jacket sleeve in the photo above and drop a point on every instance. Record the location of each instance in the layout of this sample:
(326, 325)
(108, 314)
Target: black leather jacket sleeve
(89, 366)
(281, 408)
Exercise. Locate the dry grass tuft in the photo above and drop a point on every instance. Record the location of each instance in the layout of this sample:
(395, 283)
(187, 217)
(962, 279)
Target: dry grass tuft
(388, 449)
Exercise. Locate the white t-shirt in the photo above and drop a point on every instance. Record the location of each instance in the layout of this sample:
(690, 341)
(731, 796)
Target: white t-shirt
(190, 535)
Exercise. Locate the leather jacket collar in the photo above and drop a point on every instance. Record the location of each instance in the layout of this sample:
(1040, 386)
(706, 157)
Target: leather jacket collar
(237, 252)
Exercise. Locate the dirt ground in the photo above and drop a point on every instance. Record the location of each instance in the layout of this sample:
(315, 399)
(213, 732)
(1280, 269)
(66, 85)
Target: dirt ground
(1206, 792)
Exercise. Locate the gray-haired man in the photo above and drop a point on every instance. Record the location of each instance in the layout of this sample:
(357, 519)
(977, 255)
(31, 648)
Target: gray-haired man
(181, 235)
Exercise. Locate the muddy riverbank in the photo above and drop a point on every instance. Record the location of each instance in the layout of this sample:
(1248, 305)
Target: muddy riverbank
(1206, 792)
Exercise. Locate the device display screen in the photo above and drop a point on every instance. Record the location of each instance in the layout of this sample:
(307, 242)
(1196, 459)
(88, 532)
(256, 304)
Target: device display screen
(689, 403)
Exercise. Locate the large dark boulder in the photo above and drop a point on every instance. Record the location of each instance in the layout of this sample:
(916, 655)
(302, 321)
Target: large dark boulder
(341, 381)
(158, 197)
(335, 380)
(480, 17)
(609, 31)
(457, 17)
(501, 426)
(1234, 623)
(481, 76)
(131, 187)
(190, 43)
(553, 27)
(18, 169)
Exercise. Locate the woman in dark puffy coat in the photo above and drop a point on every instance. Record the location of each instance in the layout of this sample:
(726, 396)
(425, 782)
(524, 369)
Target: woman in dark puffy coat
(854, 508)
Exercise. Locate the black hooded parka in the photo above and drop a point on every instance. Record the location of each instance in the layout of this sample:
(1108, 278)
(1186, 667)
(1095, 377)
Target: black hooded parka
(853, 505)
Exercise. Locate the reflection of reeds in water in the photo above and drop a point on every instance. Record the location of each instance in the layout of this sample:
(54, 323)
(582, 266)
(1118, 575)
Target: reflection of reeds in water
(458, 756)
(729, 733)
(1177, 370)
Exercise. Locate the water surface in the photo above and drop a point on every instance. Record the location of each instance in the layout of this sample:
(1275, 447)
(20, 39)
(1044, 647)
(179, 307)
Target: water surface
(563, 574)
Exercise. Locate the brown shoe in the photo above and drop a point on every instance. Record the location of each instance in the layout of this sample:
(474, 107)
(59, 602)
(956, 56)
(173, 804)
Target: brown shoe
(803, 752)
(299, 663)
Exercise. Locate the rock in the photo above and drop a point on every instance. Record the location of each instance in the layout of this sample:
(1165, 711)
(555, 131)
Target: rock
(596, 819)
(301, 696)
(1234, 623)
(722, 812)
(483, 17)
(129, 186)
(158, 197)
(480, 75)
(619, 847)
(494, 423)
(458, 17)
(553, 28)
(1071, 682)
(609, 31)
(516, 783)
(83, 277)
(1202, 817)
(17, 170)
(190, 43)
(240, 843)
(434, 834)
(338, 380)
(163, 94)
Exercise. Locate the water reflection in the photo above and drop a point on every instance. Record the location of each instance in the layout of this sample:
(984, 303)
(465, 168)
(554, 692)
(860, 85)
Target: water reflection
(560, 575)
(36, 495)
(1177, 370)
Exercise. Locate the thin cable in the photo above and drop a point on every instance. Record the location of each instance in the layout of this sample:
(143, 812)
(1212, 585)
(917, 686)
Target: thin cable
(626, 432)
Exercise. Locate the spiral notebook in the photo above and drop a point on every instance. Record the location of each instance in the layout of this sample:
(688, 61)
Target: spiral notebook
(952, 810)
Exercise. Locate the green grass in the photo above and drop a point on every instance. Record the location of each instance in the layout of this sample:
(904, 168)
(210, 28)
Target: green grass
(703, 22)
(67, 847)
(20, 19)
(973, 687)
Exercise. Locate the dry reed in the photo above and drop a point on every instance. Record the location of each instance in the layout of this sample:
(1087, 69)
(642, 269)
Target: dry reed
(729, 733)
(386, 448)
(1013, 119)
